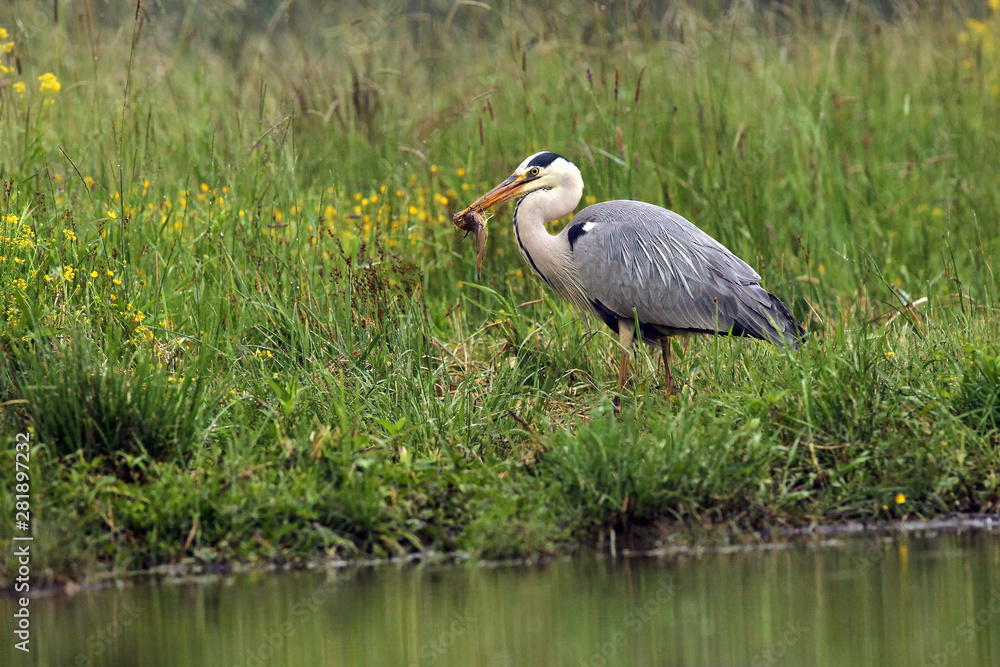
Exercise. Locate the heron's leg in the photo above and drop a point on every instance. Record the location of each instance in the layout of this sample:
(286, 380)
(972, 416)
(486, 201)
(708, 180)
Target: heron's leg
(626, 330)
(665, 346)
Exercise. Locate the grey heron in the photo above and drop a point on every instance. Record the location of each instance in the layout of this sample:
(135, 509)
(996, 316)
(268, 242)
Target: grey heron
(634, 264)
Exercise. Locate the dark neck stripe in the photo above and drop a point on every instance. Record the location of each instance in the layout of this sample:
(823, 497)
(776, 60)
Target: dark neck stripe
(524, 251)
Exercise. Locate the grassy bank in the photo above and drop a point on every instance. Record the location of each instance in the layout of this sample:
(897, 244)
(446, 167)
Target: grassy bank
(238, 323)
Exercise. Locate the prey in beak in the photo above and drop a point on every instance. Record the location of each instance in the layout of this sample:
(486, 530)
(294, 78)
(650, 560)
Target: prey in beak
(471, 219)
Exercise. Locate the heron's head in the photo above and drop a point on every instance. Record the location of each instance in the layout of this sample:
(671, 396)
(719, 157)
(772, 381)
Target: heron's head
(541, 171)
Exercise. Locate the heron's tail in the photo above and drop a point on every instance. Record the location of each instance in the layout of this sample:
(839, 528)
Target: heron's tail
(782, 328)
(757, 313)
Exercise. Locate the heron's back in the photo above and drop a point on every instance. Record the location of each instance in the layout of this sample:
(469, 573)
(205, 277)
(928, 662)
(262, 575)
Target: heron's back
(638, 259)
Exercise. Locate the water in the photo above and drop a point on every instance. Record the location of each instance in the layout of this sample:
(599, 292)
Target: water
(864, 601)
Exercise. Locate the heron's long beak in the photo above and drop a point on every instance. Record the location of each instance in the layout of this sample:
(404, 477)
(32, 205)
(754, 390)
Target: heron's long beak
(509, 189)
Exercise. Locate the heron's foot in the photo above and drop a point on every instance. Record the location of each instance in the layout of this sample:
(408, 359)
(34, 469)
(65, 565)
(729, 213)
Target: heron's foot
(668, 378)
(668, 384)
(623, 370)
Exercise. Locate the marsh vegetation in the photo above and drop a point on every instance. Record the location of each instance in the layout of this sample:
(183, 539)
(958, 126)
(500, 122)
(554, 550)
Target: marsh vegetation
(239, 323)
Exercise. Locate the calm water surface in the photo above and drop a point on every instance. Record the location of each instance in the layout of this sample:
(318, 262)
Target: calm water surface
(863, 601)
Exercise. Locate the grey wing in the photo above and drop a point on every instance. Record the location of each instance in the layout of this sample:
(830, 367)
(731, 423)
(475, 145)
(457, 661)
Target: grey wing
(678, 279)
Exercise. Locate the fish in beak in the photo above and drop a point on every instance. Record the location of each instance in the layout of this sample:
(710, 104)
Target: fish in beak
(471, 219)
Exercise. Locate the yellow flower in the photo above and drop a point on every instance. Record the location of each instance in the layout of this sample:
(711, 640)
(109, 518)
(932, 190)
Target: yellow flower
(69, 234)
(48, 84)
(93, 274)
(994, 6)
(69, 273)
(112, 215)
(19, 87)
(3, 34)
(900, 499)
(977, 27)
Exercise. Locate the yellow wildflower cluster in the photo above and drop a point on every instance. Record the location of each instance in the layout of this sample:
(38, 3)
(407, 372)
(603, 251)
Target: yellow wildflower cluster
(5, 48)
(984, 35)
(349, 218)
(48, 86)
(48, 83)
(16, 239)
(142, 334)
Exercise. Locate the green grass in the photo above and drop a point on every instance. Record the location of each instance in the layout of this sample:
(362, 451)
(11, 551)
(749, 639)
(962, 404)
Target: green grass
(239, 324)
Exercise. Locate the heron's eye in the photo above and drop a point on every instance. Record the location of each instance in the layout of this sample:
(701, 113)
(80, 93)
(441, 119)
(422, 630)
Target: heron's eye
(534, 171)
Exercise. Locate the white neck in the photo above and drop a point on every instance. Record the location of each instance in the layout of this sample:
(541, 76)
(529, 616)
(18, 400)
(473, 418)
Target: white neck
(550, 255)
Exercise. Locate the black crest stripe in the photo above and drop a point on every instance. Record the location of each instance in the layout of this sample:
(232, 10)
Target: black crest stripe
(544, 159)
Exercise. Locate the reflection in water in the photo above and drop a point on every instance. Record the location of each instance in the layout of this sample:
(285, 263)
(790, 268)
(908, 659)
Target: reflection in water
(917, 601)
